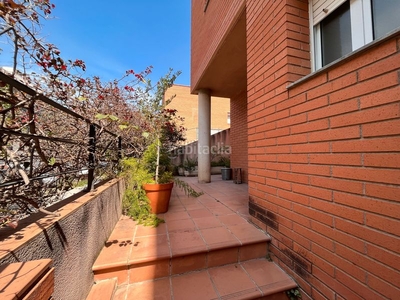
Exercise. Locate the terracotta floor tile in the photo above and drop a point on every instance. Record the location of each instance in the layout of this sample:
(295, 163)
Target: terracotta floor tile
(232, 281)
(253, 251)
(121, 273)
(103, 289)
(190, 201)
(213, 204)
(125, 231)
(181, 225)
(16, 277)
(188, 263)
(207, 222)
(120, 293)
(200, 213)
(124, 222)
(114, 254)
(268, 276)
(150, 247)
(148, 230)
(179, 215)
(227, 198)
(221, 210)
(244, 212)
(219, 237)
(193, 206)
(149, 271)
(194, 286)
(150, 290)
(176, 208)
(239, 209)
(222, 257)
(232, 219)
(182, 242)
(248, 233)
(206, 199)
(216, 193)
(195, 232)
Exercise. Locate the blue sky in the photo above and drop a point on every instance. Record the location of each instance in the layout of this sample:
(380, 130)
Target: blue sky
(114, 36)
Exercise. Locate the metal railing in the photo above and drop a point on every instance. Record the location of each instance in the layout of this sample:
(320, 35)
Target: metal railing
(38, 161)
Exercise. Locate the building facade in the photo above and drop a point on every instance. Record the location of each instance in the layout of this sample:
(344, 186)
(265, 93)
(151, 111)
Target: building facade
(187, 106)
(315, 122)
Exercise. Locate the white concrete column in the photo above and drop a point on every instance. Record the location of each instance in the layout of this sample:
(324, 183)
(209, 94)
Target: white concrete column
(204, 143)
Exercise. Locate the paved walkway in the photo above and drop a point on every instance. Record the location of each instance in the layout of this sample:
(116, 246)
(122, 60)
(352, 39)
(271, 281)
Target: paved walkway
(206, 240)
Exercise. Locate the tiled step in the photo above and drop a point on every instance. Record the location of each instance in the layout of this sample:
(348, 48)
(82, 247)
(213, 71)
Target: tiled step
(136, 253)
(206, 249)
(252, 279)
(103, 290)
(31, 280)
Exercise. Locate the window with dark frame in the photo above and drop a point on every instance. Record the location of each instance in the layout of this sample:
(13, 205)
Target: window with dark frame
(350, 26)
(336, 34)
(385, 16)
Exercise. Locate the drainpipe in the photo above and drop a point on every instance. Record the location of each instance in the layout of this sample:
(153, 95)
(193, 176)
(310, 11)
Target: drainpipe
(204, 143)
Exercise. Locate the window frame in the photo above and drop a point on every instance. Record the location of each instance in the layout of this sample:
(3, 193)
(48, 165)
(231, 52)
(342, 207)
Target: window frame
(361, 29)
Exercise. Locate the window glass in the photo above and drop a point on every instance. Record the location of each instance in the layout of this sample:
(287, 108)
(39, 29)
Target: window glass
(336, 34)
(386, 16)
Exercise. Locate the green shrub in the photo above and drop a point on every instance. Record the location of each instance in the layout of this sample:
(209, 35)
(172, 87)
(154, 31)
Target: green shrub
(135, 203)
(190, 164)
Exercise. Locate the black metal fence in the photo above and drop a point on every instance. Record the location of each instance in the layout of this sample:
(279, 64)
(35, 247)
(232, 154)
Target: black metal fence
(47, 150)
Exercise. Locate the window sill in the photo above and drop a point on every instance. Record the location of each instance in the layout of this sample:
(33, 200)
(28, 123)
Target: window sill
(345, 58)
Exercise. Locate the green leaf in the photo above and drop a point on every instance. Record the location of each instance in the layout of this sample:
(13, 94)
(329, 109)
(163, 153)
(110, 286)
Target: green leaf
(113, 118)
(145, 134)
(101, 116)
(52, 161)
(122, 127)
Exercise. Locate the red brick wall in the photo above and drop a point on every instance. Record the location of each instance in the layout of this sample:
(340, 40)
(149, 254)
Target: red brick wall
(324, 157)
(239, 134)
(209, 28)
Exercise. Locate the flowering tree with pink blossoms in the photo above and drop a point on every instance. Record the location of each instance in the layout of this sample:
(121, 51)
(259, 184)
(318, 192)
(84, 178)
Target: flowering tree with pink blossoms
(32, 154)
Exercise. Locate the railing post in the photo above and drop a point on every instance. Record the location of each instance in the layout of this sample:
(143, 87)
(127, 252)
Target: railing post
(119, 148)
(92, 151)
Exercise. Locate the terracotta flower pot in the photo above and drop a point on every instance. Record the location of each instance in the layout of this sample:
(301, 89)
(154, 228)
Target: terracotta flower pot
(159, 196)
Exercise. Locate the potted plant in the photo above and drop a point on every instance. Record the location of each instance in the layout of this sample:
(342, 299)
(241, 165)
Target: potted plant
(190, 166)
(135, 203)
(164, 133)
(149, 173)
(158, 191)
(216, 166)
(181, 170)
(218, 160)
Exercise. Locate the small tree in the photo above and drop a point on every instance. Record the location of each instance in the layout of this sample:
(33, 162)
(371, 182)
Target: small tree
(165, 131)
(114, 105)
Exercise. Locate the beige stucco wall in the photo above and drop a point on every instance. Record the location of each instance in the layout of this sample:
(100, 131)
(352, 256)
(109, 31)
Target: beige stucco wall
(220, 142)
(187, 107)
(73, 240)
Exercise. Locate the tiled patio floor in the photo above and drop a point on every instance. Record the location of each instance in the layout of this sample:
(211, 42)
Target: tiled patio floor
(200, 234)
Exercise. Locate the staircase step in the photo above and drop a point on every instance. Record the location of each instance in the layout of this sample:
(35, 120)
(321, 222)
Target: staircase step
(252, 279)
(27, 280)
(103, 289)
(206, 249)
(135, 253)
